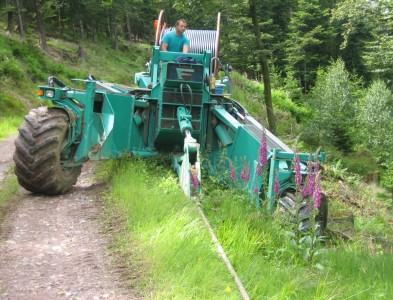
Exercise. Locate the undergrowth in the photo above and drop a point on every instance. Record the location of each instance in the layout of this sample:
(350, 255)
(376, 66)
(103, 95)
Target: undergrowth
(174, 249)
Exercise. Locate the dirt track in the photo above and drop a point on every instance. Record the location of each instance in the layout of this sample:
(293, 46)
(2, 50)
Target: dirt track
(55, 247)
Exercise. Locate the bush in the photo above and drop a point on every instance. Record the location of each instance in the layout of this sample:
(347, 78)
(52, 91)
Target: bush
(387, 178)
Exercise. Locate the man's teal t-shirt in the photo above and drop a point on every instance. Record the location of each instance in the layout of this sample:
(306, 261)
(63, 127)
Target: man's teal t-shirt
(175, 42)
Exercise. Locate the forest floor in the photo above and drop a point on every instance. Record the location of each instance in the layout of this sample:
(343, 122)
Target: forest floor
(57, 247)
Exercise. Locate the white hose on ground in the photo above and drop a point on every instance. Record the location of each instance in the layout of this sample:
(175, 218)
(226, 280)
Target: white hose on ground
(223, 255)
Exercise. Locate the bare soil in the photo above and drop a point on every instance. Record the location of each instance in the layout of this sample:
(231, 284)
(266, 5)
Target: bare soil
(56, 247)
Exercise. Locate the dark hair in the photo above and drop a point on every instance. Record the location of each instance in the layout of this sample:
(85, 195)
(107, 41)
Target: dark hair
(181, 20)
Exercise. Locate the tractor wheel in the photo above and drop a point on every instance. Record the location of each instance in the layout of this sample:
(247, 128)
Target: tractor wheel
(322, 216)
(300, 213)
(37, 157)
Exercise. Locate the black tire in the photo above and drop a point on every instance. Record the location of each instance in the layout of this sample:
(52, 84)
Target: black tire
(300, 213)
(322, 217)
(38, 152)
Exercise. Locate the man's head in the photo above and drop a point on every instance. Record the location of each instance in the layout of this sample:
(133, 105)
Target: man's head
(181, 26)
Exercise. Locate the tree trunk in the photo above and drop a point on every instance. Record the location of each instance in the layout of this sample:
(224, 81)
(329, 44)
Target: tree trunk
(108, 28)
(265, 68)
(21, 30)
(10, 17)
(129, 34)
(115, 38)
(60, 24)
(82, 54)
(82, 31)
(40, 26)
(95, 34)
(74, 29)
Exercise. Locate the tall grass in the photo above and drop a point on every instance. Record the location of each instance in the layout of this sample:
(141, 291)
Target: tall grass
(180, 259)
(262, 253)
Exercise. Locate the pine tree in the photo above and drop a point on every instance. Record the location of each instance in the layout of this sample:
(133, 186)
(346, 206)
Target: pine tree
(308, 40)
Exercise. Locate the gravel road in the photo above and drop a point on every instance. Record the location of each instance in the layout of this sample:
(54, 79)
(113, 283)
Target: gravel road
(55, 247)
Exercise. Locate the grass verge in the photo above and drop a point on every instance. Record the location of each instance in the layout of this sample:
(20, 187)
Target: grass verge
(165, 240)
(9, 126)
(8, 188)
(174, 255)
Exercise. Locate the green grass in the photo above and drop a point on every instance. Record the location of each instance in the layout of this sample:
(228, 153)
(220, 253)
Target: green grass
(359, 275)
(9, 126)
(8, 188)
(179, 261)
(175, 247)
(23, 66)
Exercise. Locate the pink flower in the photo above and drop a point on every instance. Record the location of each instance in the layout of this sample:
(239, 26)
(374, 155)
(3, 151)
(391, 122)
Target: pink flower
(263, 149)
(297, 169)
(233, 171)
(245, 174)
(305, 191)
(259, 169)
(194, 180)
(276, 184)
(256, 190)
(317, 194)
(308, 187)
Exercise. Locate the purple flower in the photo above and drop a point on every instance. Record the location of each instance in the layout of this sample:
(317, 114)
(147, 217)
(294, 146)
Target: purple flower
(308, 187)
(256, 190)
(276, 184)
(194, 180)
(317, 195)
(263, 149)
(233, 171)
(259, 169)
(245, 174)
(298, 174)
(311, 179)
(305, 191)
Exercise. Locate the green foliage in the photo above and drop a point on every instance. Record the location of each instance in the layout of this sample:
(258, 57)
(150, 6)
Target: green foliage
(307, 43)
(387, 178)
(379, 54)
(9, 106)
(361, 162)
(334, 107)
(354, 20)
(250, 94)
(376, 118)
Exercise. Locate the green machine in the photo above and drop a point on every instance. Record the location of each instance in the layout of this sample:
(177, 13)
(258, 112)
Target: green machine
(178, 106)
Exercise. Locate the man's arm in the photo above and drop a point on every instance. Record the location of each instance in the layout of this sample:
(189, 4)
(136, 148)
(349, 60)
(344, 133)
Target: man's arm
(185, 49)
(164, 46)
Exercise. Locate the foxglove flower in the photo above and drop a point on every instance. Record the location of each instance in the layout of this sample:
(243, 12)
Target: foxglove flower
(194, 180)
(297, 169)
(317, 195)
(233, 171)
(276, 184)
(263, 149)
(259, 169)
(245, 174)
